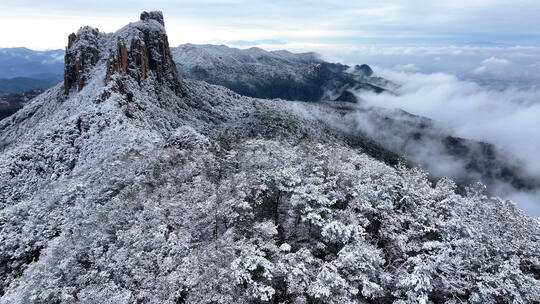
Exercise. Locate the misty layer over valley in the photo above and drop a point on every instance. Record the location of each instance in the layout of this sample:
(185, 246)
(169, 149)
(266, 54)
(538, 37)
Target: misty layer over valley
(208, 174)
(506, 118)
(452, 128)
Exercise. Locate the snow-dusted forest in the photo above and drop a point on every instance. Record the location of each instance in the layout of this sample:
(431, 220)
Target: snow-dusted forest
(127, 184)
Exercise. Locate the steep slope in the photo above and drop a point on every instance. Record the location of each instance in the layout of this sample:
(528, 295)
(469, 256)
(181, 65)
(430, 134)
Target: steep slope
(278, 74)
(128, 184)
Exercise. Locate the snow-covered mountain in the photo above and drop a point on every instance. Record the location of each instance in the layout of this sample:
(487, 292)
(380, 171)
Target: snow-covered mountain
(258, 73)
(264, 74)
(282, 74)
(129, 184)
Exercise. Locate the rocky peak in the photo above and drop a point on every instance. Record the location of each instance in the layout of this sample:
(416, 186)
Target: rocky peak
(82, 54)
(139, 50)
(363, 70)
(155, 15)
(142, 50)
(347, 96)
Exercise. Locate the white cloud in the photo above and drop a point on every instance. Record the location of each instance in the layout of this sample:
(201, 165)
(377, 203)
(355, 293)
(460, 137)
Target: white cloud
(480, 70)
(507, 118)
(494, 66)
(410, 67)
(495, 61)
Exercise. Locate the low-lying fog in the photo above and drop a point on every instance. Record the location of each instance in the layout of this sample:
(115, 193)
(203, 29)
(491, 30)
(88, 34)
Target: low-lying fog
(508, 117)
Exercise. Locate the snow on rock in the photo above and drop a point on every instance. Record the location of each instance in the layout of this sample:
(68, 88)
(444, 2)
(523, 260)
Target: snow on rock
(275, 74)
(138, 50)
(143, 48)
(82, 54)
(155, 15)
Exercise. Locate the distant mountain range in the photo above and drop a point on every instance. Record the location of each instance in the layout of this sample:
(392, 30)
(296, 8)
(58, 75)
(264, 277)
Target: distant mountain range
(251, 72)
(22, 69)
(258, 73)
(19, 85)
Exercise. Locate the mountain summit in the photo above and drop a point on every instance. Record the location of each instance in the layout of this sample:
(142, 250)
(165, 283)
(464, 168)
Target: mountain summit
(126, 184)
(137, 50)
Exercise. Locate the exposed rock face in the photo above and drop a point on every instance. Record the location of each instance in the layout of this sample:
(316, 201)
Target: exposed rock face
(364, 70)
(155, 15)
(82, 54)
(138, 50)
(142, 50)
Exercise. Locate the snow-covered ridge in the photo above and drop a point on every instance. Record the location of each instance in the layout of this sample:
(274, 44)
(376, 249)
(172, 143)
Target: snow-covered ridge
(274, 74)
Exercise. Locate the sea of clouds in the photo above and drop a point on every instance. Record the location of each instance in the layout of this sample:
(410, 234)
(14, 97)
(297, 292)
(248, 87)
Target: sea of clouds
(505, 113)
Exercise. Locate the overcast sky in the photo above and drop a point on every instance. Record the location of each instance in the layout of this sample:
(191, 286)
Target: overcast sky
(42, 24)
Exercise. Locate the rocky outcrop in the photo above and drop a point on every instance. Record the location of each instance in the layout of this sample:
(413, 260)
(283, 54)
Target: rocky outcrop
(347, 96)
(155, 15)
(363, 70)
(139, 50)
(143, 50)
(82, 54)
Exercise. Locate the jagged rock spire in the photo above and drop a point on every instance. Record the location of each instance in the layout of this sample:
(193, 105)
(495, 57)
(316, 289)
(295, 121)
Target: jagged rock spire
(138, 50)
(155, 15)
(82, 54)
(144, 50)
